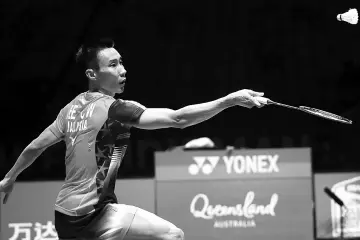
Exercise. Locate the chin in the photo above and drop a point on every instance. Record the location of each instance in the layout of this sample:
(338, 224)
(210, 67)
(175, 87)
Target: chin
(121, 90)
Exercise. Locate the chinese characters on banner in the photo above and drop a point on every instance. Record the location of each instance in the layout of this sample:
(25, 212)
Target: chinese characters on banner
(30, 231)
(30, 213)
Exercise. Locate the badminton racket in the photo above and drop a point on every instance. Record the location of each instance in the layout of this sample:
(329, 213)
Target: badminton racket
(309, 110)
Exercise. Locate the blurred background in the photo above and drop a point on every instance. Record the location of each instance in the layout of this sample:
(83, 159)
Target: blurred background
(184, 52)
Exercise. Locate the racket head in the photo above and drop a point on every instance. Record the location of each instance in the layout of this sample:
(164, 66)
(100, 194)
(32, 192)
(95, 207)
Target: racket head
(324, 114)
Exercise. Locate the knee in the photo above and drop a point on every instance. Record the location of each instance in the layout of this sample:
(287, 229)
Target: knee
(181, 234)
(177, 234)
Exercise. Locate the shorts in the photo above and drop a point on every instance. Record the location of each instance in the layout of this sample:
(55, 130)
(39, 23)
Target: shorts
(112, 222)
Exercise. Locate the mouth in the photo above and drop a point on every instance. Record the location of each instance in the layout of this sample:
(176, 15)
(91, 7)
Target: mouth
(122, 81)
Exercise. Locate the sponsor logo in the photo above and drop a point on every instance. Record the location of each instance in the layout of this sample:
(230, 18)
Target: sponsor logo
(239, 215)
(239, 164)
(72, 140)
(204, 164)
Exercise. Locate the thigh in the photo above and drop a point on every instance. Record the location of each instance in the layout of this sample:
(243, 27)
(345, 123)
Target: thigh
(111, 224)
(147, 225)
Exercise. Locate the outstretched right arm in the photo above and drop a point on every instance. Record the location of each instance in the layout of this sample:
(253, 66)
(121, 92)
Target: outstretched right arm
(156, 118)
(136, 115)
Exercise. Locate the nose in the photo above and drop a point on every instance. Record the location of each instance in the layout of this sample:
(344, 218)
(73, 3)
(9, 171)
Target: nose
(122, 71)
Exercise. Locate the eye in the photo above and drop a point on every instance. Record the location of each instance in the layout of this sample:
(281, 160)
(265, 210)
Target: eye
(113, 65)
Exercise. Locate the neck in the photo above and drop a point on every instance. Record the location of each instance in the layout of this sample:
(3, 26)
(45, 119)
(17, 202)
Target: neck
(101, 90)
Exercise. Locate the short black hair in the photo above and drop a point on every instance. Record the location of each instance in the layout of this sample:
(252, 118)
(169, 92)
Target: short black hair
(86, 56)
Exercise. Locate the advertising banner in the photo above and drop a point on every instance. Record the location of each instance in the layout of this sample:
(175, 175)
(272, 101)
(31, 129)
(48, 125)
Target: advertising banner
(250, 194)
(346, 186)
(29, 213)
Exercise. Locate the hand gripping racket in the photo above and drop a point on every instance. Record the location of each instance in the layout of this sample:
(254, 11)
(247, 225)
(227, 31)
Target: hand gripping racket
(314, 111)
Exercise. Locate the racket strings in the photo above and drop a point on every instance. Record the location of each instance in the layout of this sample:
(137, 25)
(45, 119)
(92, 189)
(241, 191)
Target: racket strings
(314, 111)
(325, 114)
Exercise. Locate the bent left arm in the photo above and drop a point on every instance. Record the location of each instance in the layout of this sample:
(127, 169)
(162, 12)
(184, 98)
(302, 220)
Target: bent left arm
(32, 152)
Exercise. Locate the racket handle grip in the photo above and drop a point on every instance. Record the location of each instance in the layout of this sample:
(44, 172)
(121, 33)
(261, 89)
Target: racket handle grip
(263, 100)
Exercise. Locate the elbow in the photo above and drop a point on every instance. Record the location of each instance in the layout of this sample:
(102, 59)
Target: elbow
(34, 147)
(179, 123)
(184, 124)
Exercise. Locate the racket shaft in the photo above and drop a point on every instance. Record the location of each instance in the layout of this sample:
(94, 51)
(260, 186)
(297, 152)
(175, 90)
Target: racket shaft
(268, 101)
(283, 105)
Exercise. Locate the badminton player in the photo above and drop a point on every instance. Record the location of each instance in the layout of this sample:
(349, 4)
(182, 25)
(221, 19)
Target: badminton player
(96, 130)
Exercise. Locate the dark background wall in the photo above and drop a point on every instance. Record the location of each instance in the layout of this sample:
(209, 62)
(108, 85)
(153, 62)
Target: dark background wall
(185, 52)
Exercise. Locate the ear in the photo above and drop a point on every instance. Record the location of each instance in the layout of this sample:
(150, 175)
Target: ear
(91, 74)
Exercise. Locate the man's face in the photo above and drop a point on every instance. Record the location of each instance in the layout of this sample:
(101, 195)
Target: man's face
(111, 73)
